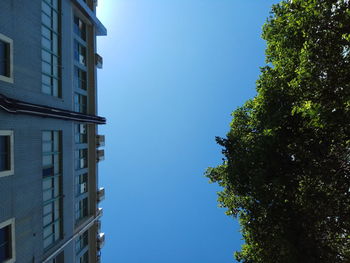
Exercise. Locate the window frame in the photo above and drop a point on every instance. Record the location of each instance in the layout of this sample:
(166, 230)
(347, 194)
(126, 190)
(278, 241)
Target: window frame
(51, 61)
(80, 103)
(80, 78)
(81, 155)
(10, 222)
(9, 42)
(80, 246)
(79, 136)
(52, 225)
(81, 209)
(80, 180)
(12, 165)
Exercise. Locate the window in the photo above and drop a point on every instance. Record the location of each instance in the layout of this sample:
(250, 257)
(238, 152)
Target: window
(79, 53)
(81, 209)
(6, 153)
(7, 241)
(6, 64)
(81, 204)
(80, 133)
(50, 43)
(79, 28)
(82, 242)
(84, 258)
(80, 102)
(81, 159)
(51, 185)
(81, 182)
(59, 258)
(80, 78)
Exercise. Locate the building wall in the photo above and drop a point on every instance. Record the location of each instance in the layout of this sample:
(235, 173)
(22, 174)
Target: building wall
(21, 22)
(21, 195)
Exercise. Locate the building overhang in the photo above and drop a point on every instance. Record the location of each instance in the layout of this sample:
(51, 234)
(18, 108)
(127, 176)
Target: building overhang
(21, 107)
(100, 28)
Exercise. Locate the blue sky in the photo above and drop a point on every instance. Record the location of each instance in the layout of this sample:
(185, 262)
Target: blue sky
(173, 72)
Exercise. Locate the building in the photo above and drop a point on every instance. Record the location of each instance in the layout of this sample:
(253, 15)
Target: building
(49, 141)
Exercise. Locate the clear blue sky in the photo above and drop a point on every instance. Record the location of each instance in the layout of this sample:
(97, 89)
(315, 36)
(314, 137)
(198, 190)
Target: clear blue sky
(173, 72)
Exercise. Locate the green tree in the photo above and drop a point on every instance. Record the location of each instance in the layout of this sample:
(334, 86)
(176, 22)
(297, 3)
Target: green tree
(286, 171)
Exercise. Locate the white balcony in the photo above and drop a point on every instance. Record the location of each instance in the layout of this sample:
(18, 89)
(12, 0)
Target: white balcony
(100, 240)
(100, 140)
(99, 211)
(100, 155)
(100, 194)
(98, 61)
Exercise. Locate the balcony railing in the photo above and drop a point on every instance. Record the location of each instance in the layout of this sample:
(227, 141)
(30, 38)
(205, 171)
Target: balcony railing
(98, 61)
(100, 140)
(100, 194)
(99, 211)
(100, 240)
(100, 155)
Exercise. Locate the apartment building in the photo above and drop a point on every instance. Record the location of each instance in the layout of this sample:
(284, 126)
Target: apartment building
(49, 142)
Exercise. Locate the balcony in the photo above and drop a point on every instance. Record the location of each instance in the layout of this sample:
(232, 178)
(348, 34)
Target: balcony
(99, 212)
(98, 225)
(100, 194)
(98, 61)
(100, 155)
(100, 140)
(100, 240)
(100, 29)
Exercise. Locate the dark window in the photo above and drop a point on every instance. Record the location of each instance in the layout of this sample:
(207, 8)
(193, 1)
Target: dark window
(80, 133)
(81, 183)
(80, 28)
(82, 242)
(59, 258)
(81, 209)
(5, 153)
(80, 103)
(50, 42)
(81, 159)
(84, 258)
(79, 53)
(80, 78)
(4, 59)
(51, 187)
(5, 243)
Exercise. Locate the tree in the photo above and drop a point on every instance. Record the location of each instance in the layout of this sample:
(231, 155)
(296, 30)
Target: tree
(286, 171)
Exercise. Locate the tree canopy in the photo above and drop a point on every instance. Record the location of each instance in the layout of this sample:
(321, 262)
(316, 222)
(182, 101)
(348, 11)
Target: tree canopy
(286, 168)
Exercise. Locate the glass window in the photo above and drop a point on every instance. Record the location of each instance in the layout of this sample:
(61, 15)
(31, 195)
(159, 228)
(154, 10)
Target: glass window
(50, 47)
(79, 53)
(6, 153)
(84, 258)
(80, 28)
(81, 182)
(4, 59)
(5, 243)
(59, 258)
(80, 78)
(82, 241)
(81, 159)
(51, 186)
(80, 103)
(81, 209)
(80, 133)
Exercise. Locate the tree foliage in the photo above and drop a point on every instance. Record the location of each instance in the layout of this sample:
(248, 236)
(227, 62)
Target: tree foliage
(286, 171)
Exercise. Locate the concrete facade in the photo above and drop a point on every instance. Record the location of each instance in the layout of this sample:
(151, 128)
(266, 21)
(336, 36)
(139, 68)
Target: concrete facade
(21, 193)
